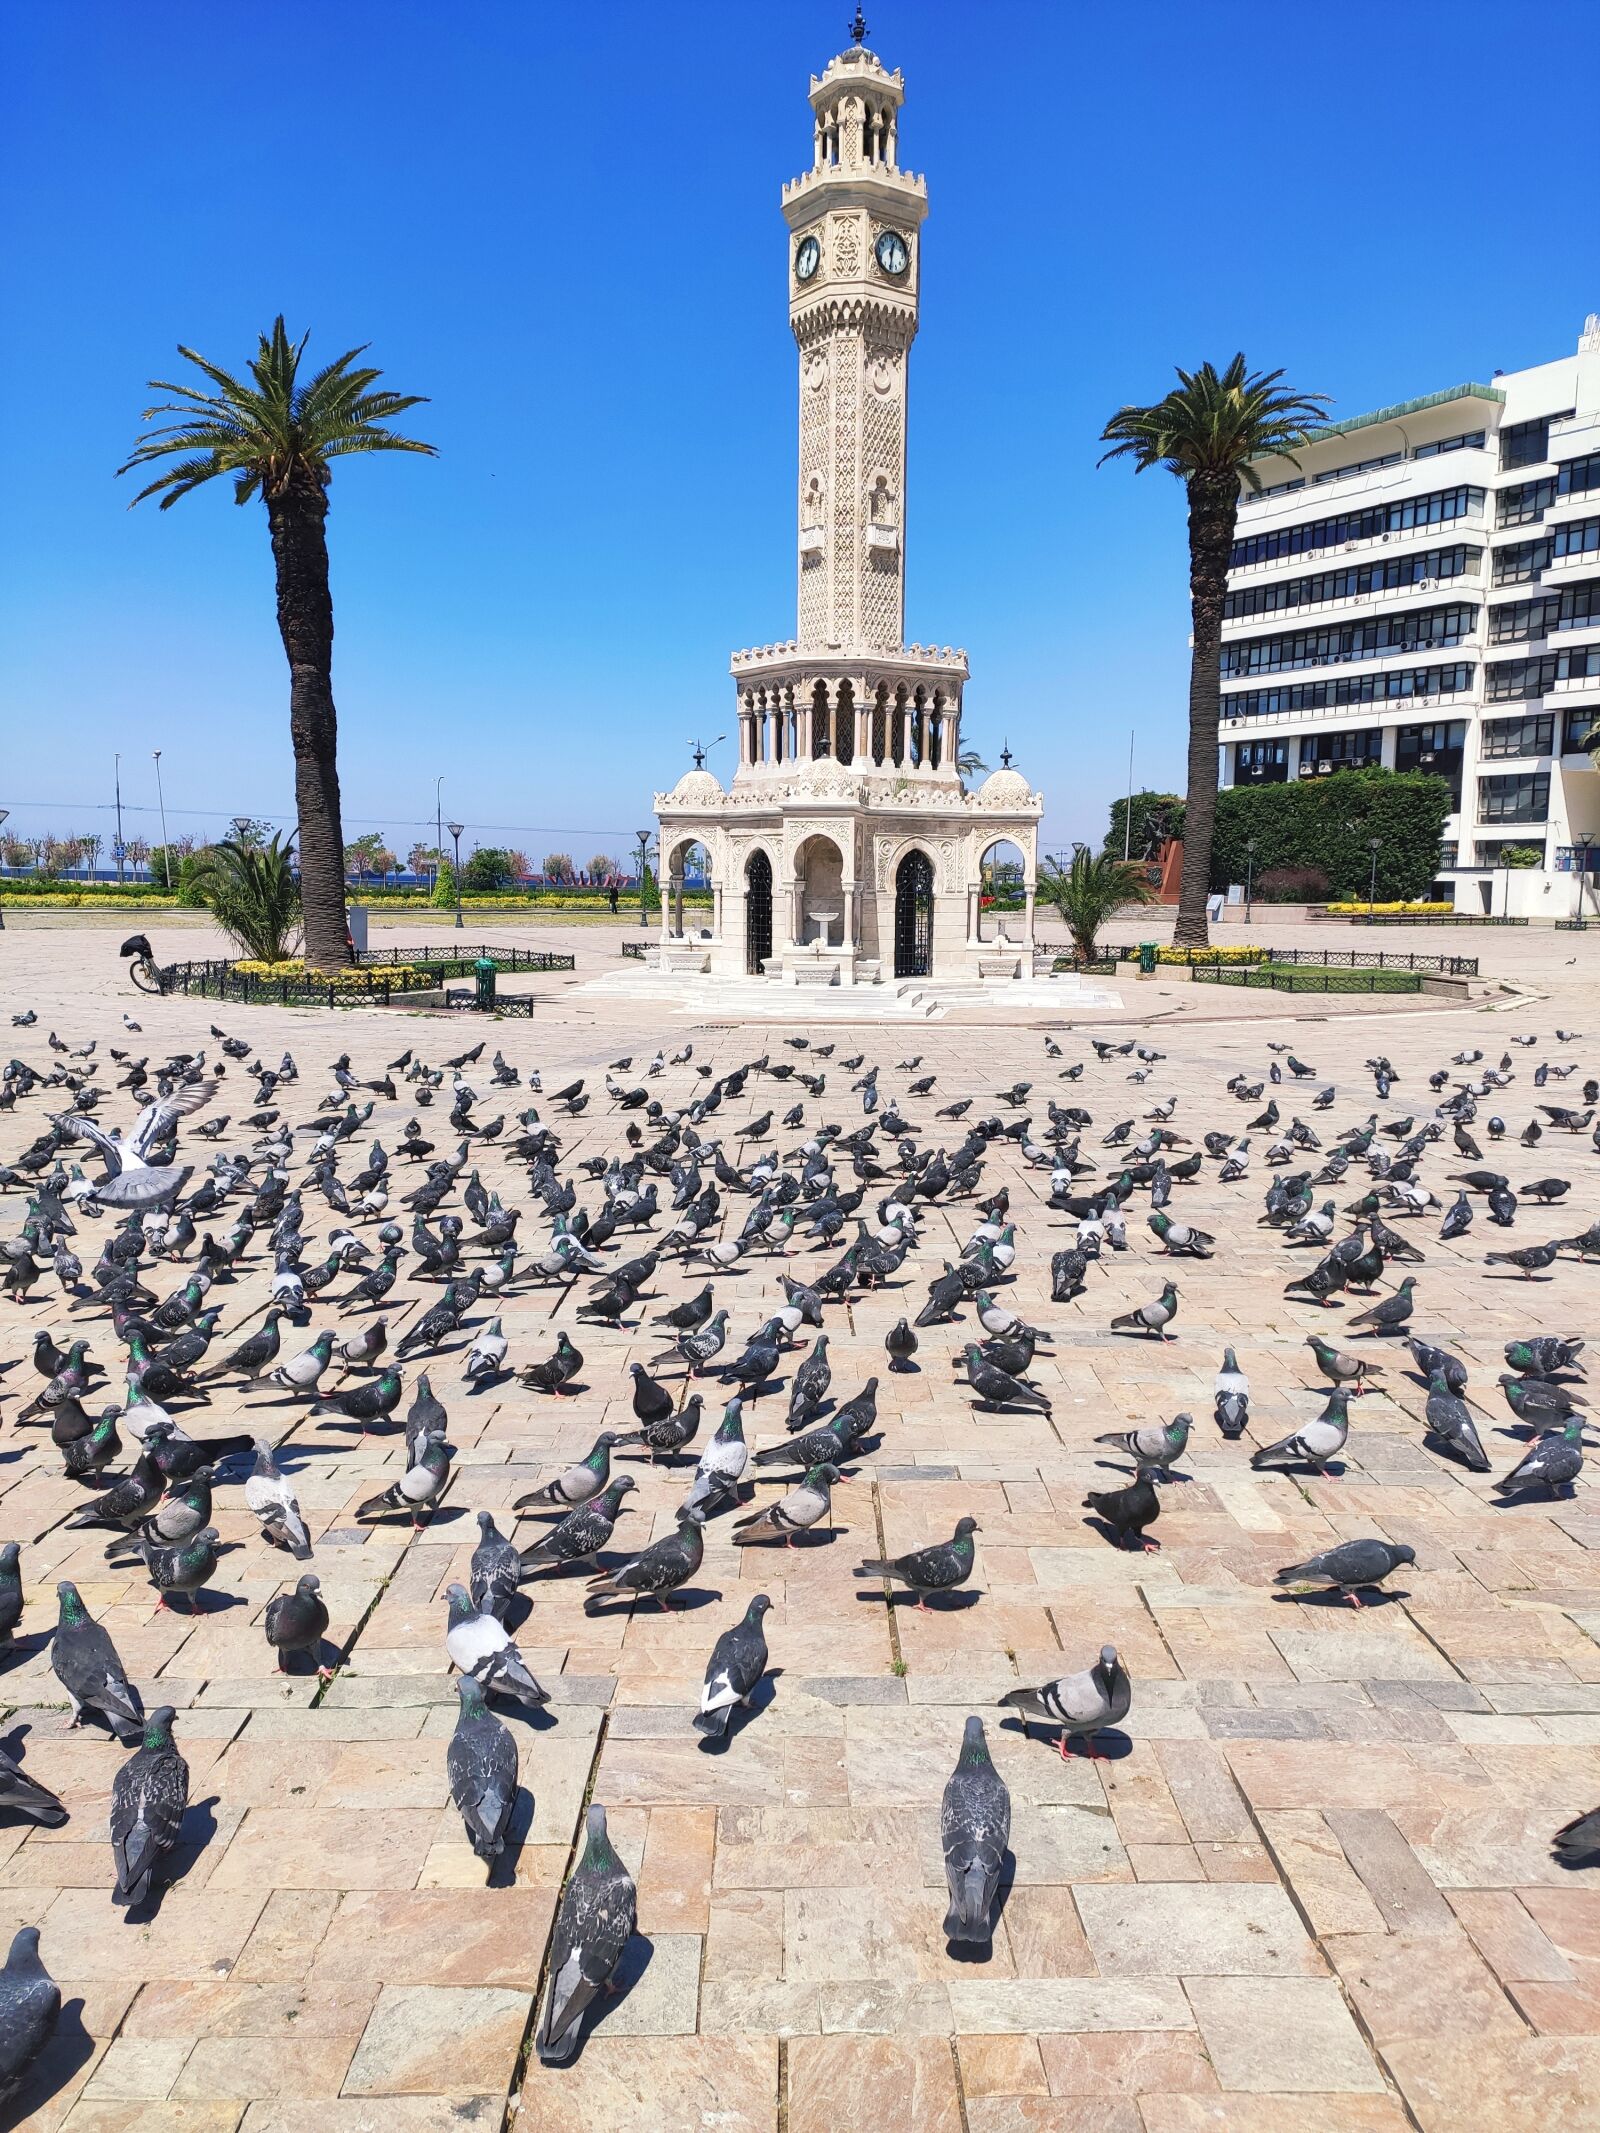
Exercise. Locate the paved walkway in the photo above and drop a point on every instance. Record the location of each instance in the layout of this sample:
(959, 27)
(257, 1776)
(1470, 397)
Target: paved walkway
(1311, 1887)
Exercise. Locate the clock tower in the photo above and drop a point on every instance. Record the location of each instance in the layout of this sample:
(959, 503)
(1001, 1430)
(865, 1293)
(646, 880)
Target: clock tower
(855, 264)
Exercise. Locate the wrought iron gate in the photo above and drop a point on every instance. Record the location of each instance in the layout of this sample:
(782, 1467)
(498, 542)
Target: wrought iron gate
(913, 916)
(757, 912)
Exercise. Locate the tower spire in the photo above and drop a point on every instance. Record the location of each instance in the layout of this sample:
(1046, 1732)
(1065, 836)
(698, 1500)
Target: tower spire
(858, 28)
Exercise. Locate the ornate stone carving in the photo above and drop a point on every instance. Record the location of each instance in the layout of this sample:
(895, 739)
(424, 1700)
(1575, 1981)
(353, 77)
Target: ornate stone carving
(847, 247)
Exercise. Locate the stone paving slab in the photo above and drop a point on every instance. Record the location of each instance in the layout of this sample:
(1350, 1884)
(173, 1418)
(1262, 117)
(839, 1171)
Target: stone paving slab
(1310, 1885)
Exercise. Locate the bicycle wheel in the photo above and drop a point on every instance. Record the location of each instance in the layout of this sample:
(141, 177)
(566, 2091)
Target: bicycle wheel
(145, 975)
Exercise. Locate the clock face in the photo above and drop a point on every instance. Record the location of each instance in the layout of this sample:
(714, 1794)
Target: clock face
(892, 253)
(807, 258)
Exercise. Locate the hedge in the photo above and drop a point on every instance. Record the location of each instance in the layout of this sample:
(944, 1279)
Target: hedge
(1360, 906)
(58, 899)
(1326, 822)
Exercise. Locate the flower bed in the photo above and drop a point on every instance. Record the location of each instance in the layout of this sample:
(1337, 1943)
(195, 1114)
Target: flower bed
(1359, 908)
(53, 897)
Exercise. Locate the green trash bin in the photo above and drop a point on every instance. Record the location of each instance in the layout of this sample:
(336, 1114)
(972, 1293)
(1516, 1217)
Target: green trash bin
(1147, 958)
(483, 970)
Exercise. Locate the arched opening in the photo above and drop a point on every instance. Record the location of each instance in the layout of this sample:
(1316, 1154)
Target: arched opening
(844, 725)
(686, 870)
(1002, 874)
(880, 723)
(820, 741)
(819, 881)
(913, 916)
(757, 912)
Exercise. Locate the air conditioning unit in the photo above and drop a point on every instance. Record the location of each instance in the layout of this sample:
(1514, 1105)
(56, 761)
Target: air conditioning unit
(1427, 585)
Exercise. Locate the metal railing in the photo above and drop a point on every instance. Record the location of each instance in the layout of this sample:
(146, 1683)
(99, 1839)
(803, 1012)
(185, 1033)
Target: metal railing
(1304, 978)
(217, 980)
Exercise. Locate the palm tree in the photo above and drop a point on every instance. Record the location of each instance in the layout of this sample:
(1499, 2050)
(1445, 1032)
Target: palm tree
(1207, 432)
(1092, 890)
(278, 436)
(968, 764)
(251, 892)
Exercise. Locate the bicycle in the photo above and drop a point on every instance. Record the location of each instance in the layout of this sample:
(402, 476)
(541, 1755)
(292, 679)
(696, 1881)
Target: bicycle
(144, 970)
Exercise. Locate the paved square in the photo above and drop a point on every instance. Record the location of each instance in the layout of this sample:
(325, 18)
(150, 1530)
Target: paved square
(1310, 1883)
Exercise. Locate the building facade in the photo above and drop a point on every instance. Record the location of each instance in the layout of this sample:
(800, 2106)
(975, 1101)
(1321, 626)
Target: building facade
(1423, 592)
(846, 849)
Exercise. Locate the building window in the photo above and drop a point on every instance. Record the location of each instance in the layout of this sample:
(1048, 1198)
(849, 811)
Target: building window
(1580, 537)
(1416, 629)
(1521, 797)
(1525, 444)
(1524, 564)
(1580, 724)
(1519, 681)
(1436, 749)
(1436, 509)
(1491, 850)
(1525, 503)
(1523, 621)
(1329, 752)
(1358, 466)
(1402, 683)
(1384, 575)
(1261, 763)
(1468, 441)
(1576, 477)
(1518, 736)
(1448, 855)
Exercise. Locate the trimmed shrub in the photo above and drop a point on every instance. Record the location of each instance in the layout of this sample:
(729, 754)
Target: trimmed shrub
(1325, 823)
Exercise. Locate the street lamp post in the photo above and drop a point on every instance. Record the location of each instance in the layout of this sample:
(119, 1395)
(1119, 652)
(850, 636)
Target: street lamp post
(166, 848)
(1581, 841)
(438, 826)
(5, 814)
(644, 861)
(1249, 874)
(117, 777)
(1374, 846)
(455, 829)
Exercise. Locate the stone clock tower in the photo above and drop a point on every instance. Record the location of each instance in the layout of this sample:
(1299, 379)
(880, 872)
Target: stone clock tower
(847, 849)
(855, 261)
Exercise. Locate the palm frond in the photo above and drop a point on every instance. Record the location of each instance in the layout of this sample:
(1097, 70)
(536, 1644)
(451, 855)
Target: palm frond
(1216, 423)
(252, 893)
(1089, 892)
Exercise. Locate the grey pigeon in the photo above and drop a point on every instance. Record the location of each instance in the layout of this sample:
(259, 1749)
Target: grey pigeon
(578, 1484)
(1080, 1704)
(23, 1795)
(733, 1672)
(482, 1764)
(297, 1621)
(1576, 1843)
(149, 1795)
(1353, 1563)
(670, 1433)
(1153, 1317)
(30, 2002)
(1428, 1359)
(1341, 1369)
(494, 1570)
(1389, 1315)
(594, 1923)
(84, 1660)
(479, 1645)
(1152, 1444)
(268, 1494)
(182, 1568)
(1314, 1444)
(1450, 1420)
(804, 1506)
(998, 1388)
(657, 1570)
(1232, 1397)
(582, 1533)
(10, 1591)
(975, 1830)
(1554, 1463)
(940, 1568)
(418, 1489)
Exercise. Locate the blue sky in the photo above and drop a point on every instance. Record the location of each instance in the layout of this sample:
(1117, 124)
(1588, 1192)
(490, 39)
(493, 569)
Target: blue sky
(561, 223)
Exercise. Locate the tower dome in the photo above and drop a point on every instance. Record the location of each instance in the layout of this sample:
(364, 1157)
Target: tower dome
(1003, 788)
(695, 787)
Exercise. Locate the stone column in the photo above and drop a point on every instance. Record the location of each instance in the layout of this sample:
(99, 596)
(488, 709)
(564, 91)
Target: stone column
(1028, 894)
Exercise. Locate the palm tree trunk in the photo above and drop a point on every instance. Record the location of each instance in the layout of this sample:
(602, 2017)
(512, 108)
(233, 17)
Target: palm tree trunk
(1213, 509)
(297, 517)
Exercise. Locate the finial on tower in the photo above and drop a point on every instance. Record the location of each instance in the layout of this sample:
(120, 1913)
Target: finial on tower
(1005, 756)
(699, 750)
(858, 28)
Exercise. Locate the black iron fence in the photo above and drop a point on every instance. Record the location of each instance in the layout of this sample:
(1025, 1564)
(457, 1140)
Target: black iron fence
(459, 962)
(637, 949)
(1451, 966)
(1404, 918)
(1306, 977)
(379, 977)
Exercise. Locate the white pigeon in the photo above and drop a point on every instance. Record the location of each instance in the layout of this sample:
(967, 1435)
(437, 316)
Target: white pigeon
(479, 1645)
(487, 1357)
(132, 1182)
(1080, 1704)
(268, 1494)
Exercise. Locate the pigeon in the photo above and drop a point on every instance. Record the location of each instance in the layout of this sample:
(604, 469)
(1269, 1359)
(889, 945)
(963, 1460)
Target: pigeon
(688, 1317)
(900, 1344)
(23, 1795)
(671, 1433)
(1553, 1463)
(133, 1183)
(1153, 1445)
(1531, 1259)
(149, 1795)
(594, 1923)
(419, 1488)
(578, 1484)
(482, 1764)
(1541, 1403)
(10, 1592)
(303, 1372)
(804, 1506)
(1352, 1564)
(270, 1497)
(494, 1571)
(722, 1463)
(555, 1374)
(183, 1567)
(1449, 1419)
(975, 1831)
(1428, 1359)
(1314, 1444)
(1128, 1511)
(1576, 1843)
(733, 1672)
(657, 1570)
(84, 1660)
(1341, 1369)
(30, 2003)
(479, 1645)
(1543, 1355)
(1392, 1313)
(582, 1533)
(297, 1621)
(940, 1568)
(1232, 1397)
(1080, 1704)
(1152, 1317)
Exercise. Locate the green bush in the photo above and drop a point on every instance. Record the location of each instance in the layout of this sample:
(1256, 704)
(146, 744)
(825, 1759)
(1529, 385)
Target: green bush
(444, 889)
(1325, 823)
(1522, 855)
(488, 869)
(1144, 804)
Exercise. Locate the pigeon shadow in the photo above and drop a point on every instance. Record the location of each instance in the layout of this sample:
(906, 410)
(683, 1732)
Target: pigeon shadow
(18, 1650)
(687, 1599)
(69, 2050)
(1331, 1597)
(761, 1697)
(936, 1602)
(1109, 1532)
(195, 1833)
